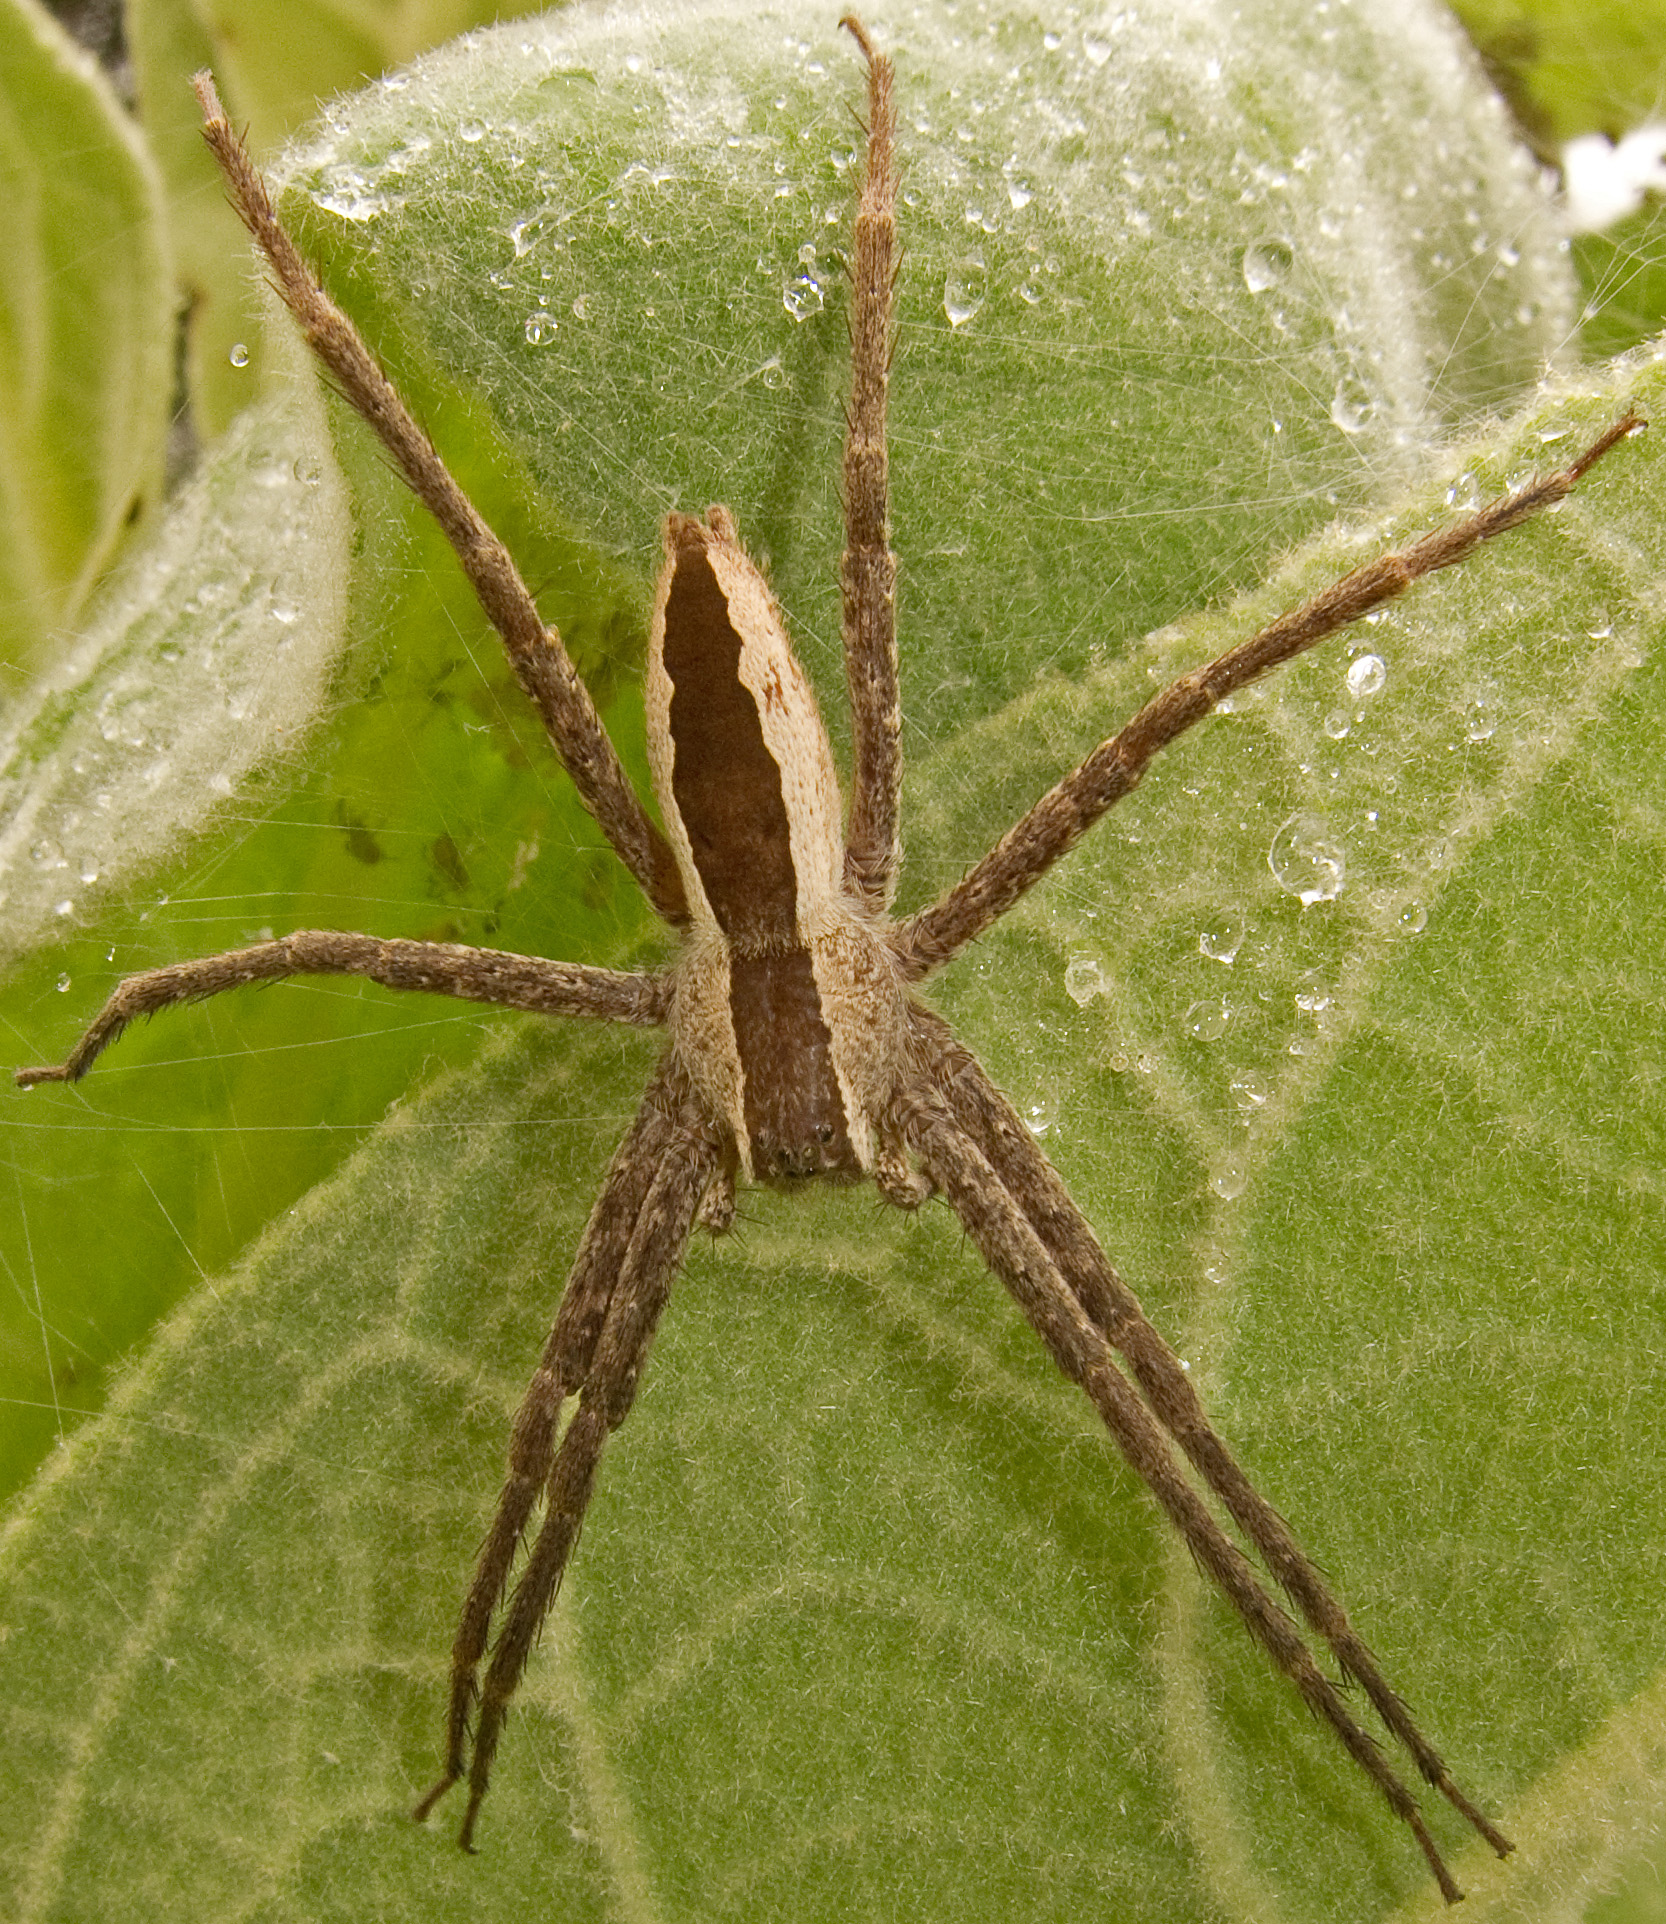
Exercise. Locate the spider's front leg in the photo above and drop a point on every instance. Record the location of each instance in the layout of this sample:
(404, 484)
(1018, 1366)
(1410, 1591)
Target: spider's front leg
(620, 1282)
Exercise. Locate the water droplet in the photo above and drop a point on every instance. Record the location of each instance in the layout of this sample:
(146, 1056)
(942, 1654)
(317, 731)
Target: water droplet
(1337, 724)
(1223, 938)
(1019, 196)
(47, 854)
(1349, 411)
(802, 297)
(1366, 676)
(1414, 918)
(1097, 51)
(1249, 1090)
(1480, 720)
(581, 308)
(540, 327)
(1206, 1021)
(1084, 979)
(1464, 494)
(1307, 861)
(965, 290)
(1040, 1114)
(1267, 264)
(63, 984)
(89, 868)
(527, 233)
(65, 907)
(471, 131)
(239, 355)
(1601, 626)
(1229, 1178)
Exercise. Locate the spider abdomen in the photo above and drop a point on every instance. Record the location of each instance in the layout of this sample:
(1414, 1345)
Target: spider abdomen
(783, 984)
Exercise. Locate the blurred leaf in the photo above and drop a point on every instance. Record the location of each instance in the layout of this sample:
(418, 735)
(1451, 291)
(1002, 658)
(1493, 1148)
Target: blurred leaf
(86, 331)
(277, 62)
(1571, 67)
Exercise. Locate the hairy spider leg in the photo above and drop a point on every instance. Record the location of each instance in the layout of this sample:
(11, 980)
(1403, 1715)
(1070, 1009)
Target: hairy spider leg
(688, 1158)
(528, 982)
(868, 568)
(541, 663)
(1008, 1243)
(992, 1124)
(1115, 768)
(564, 1369)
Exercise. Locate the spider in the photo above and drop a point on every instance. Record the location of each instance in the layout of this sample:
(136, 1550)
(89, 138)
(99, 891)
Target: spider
(797, 1048)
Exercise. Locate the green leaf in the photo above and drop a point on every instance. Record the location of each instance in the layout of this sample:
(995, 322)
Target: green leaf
(868, 1620)
(1572, 67)
(275, 61)
(86, 330)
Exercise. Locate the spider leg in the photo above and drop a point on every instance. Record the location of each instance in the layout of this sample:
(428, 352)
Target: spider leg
(868, 568)
(541, 664)
(438, 968)
(619, 1288)
(1067, 811)
(1009, 1244)
(563, 1368)
(995, 1127)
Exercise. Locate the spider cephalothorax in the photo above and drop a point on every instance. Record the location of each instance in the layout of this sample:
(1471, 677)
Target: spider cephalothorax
(797, 1047)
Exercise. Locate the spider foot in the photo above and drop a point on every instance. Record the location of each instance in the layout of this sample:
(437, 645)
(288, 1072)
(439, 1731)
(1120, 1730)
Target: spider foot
(432, 1796)
(28, 1078)
(465, 1834)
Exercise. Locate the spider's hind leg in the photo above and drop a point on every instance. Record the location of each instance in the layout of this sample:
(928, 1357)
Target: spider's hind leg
(621, 1279)
(995, 1127)
(999, 1224)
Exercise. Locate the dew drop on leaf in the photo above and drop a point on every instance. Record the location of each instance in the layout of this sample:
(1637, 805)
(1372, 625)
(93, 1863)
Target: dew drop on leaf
(1206, 1021)
(1366, 676)
(1307, 861)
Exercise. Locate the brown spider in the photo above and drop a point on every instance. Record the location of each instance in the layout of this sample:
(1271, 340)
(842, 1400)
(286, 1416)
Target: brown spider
(797, 1049)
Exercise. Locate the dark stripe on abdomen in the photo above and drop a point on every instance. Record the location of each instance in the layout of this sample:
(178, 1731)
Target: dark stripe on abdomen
(726, 784)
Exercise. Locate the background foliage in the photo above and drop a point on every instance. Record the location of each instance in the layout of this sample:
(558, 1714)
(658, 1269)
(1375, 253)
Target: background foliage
(1398, 1210)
